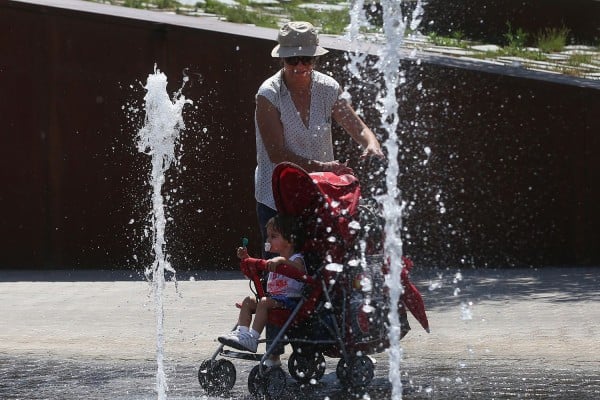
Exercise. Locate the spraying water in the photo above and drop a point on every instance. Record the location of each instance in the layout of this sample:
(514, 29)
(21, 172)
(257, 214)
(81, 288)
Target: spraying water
(389, 64)
(391, 201)
(394, 27)
(157, 138)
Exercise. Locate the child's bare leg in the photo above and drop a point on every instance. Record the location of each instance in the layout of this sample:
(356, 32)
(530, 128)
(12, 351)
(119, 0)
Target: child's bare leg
(248, 308)
(262, 312)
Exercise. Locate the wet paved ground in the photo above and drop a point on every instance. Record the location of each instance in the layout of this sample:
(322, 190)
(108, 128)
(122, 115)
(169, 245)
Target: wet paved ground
(43, 378)
(38, 378)
(505, 334)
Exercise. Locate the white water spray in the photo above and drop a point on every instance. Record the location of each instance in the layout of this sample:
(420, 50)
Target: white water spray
(394, 26)
(389, 65)
(157, 138)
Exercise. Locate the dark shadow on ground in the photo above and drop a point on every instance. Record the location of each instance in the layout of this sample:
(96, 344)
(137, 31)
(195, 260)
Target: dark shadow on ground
(449, 288)
(441, 289)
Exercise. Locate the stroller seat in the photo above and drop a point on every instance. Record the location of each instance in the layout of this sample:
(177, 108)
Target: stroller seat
(278, 316)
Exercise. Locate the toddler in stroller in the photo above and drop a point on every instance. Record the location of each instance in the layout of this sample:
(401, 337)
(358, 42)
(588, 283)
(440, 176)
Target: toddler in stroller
(344, 306)
(286, 238)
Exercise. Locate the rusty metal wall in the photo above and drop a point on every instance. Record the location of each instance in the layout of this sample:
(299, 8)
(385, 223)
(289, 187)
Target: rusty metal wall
(75, 190)
(512, 179)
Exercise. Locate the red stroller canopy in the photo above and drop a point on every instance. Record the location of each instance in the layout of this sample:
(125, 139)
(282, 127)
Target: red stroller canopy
(297, 192)
(324, 201)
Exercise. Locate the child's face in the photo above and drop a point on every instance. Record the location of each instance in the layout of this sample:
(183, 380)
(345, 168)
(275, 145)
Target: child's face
(278, 243)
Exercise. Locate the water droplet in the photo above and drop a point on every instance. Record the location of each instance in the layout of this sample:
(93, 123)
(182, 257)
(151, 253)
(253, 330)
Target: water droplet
(354, 225)
(334, 267)
(465, 311)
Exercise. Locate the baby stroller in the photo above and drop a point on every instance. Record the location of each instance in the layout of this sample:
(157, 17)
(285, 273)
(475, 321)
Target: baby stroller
(345, 304)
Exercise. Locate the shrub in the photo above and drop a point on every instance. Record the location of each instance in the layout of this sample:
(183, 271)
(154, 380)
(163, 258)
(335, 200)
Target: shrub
(515, 40)
(552, 39)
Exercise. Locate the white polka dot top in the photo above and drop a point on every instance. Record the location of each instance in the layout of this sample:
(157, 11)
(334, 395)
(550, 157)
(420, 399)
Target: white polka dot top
(314, 142)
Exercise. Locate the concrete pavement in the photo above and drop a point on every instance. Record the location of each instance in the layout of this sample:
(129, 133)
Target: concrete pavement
(511, 324)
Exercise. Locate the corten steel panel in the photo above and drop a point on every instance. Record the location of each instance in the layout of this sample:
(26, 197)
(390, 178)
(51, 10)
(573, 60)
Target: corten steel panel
(23, 139)
(509, 164)
(511, 179)
(513, 159)
(96, 182)
(219, 154)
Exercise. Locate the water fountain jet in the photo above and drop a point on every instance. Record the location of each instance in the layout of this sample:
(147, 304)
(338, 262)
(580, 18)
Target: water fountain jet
(163, 123)
(388, 64)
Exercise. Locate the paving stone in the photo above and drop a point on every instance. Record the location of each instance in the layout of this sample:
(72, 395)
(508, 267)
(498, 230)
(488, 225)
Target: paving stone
(482, 60)
(581, 48)
(324, 6)
(486, 47)
(557, 57)
(455, 51)
(231, 3)
(264, 2)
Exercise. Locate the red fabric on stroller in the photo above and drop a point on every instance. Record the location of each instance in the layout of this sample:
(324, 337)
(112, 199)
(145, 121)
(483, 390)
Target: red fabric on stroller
(326, 202)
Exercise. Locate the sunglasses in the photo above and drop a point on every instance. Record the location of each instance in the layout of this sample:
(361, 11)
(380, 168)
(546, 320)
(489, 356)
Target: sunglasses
(306, 60)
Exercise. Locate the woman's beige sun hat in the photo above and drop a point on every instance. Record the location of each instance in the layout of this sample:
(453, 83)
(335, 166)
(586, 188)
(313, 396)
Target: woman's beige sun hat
(298, 38)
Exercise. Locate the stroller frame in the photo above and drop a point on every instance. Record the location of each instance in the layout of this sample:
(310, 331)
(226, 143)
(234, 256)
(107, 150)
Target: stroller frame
(349, 339)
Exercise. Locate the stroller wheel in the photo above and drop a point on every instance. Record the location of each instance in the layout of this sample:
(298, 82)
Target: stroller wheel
(270, 385)
(216, 376)
(306, 368)
(358, 374)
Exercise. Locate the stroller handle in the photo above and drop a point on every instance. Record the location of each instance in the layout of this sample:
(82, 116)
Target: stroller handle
(251, 266)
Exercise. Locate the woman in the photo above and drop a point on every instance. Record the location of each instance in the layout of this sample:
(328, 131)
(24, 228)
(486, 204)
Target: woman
(294, 109)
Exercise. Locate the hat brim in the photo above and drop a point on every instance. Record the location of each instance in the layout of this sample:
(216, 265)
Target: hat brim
(310, 51)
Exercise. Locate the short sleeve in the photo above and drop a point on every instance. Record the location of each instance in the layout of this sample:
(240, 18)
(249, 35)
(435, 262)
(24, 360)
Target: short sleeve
(329, 90)
(298, 257)
(269, 91)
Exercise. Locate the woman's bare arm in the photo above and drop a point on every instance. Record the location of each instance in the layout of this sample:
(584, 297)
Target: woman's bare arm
(344, 114)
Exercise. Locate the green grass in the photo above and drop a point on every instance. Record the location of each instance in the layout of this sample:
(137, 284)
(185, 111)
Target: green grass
(134, 3)
(579, 58)
(329, 22)
(568, 70)
(161, 4)
(457, 40)
(552, 39)
(515, 40)
(523, 53)
(241, 14)
(512, 52)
